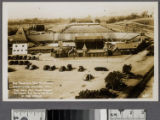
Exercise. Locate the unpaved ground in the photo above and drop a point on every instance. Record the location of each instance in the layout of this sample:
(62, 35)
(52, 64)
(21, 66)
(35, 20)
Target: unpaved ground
(66, 85)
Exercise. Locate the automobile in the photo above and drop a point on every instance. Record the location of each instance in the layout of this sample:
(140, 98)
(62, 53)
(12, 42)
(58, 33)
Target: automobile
(52, 68)
(46, 67)
(33, 67)
(88, 77)
(69, 67)
(101, 69)
(62, 68)
(81, 69)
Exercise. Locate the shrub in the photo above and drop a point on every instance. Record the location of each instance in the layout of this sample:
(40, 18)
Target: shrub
(102, 93)
(114, 80)
(127, 69)
(150, 50)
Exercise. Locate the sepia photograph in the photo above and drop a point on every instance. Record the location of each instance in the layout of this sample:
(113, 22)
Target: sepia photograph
(80, 51)
(78, 114)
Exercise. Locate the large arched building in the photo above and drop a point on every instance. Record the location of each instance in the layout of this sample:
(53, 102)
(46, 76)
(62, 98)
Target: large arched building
(84, 39)
(96, 40)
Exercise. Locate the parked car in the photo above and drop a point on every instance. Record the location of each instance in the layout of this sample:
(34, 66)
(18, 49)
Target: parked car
(81, 69)
(88, 77)
(62, 68)
(101, 69)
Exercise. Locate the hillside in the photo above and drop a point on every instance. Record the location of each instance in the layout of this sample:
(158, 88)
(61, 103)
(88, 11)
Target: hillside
(145, 25)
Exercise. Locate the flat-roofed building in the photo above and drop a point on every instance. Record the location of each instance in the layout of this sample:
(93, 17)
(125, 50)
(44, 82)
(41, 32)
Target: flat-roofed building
(19, 49)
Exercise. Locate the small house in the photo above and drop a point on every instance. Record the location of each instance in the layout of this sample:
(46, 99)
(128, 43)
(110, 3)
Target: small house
(19, 48)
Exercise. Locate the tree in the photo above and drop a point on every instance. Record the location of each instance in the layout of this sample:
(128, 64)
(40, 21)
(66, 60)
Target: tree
(144, 14)
(114, 80)
(73, 20)
(97, 20)
(111, 20)
(127, 69)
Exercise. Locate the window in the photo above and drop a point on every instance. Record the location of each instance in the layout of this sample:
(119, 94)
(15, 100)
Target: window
(16, 46)
(22, 45)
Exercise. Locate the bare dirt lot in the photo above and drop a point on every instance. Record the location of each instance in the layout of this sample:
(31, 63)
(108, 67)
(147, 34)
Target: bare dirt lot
(66, 85)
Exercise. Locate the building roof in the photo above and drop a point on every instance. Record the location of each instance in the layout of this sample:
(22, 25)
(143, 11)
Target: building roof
(95, 51)
(41, 48)
(92, 51)
(64, 44)
(87, 28)
(89, 38)
(49, 36)
(120, 36)
(72, 44)
(131, 45)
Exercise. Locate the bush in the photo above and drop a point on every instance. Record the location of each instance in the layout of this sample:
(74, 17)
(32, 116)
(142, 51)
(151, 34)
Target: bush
(102, 93)
(150, 50)
(127, 69)
(114, 80)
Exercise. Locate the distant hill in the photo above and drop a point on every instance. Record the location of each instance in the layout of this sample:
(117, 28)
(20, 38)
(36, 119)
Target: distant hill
(139, 25)
(145, 21)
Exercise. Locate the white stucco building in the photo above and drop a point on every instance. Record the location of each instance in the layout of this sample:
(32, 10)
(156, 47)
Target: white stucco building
(19, 48)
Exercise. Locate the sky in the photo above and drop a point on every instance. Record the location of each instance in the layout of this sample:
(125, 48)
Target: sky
(22, 10)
